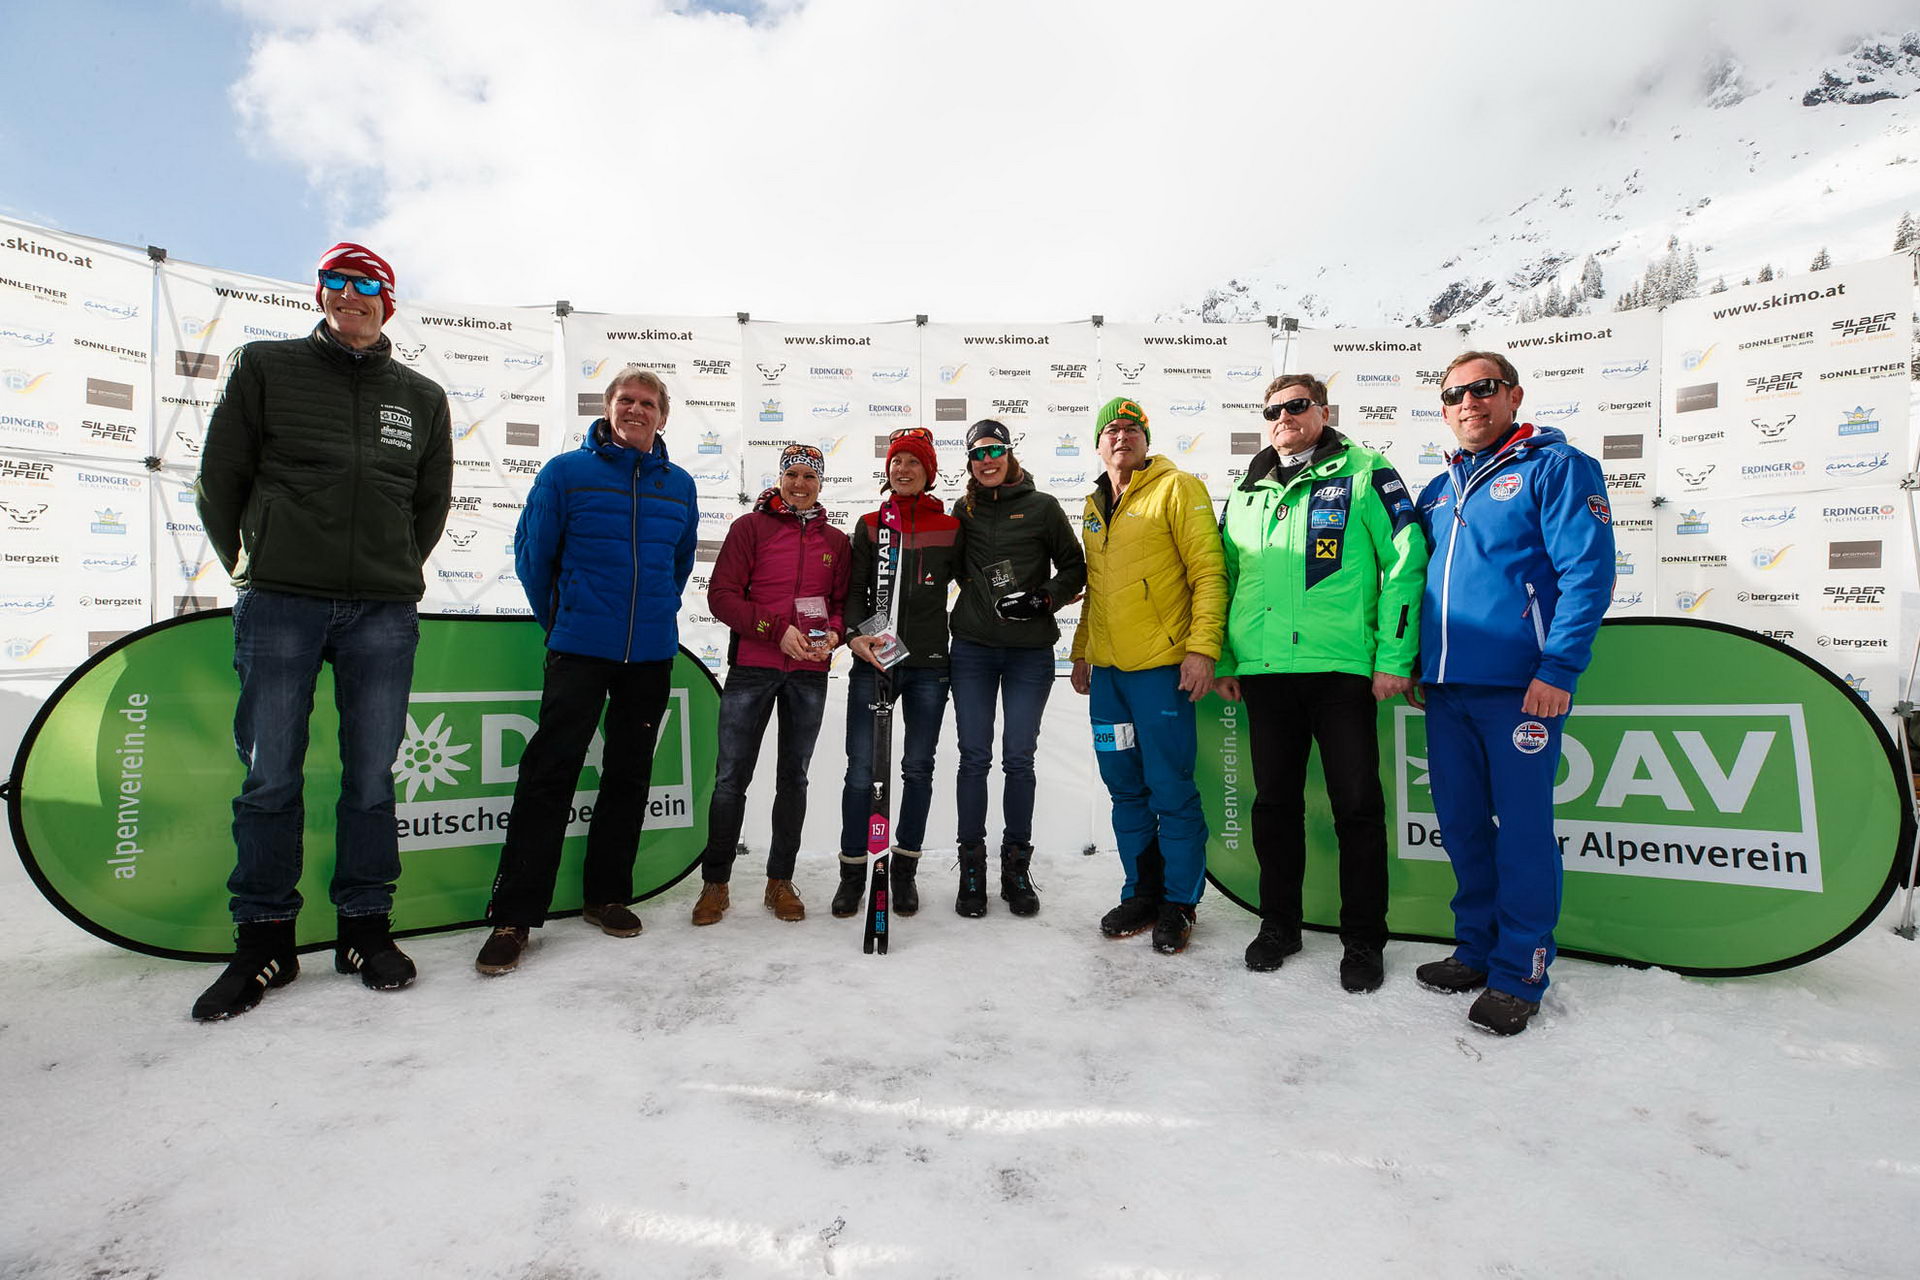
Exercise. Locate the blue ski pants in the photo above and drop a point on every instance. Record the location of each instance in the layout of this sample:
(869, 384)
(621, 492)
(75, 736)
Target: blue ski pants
(1144, 739)
(1488, 759)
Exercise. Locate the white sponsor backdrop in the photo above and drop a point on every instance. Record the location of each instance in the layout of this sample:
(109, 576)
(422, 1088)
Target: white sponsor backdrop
(76, 554)
(1754, 440)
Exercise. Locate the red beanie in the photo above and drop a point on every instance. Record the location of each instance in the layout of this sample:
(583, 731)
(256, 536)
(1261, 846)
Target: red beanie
(358, 257)
(920, 447)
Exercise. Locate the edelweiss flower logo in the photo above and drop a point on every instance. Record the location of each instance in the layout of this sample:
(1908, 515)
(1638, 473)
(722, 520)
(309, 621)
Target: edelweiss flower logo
(426, 758)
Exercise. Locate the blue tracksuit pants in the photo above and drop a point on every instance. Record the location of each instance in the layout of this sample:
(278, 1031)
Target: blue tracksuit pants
(1144, 739)
(1488, 759)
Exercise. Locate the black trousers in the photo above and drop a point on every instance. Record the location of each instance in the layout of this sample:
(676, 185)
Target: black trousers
(634, 695)
(1286, 716)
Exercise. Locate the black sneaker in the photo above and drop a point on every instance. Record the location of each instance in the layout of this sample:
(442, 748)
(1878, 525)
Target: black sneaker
(263, 957)
(1134, 915)
(1175, 926)
(852, 886)
(1451, 975)
(971, 900)
(1362, 969)
(500, 953)
(1501, 1013)
(365, 947)
(615, 919)
(1271, 946)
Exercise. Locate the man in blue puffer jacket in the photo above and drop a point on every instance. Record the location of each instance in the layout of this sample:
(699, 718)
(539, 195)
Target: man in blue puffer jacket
(1520, 575)
(603, 550)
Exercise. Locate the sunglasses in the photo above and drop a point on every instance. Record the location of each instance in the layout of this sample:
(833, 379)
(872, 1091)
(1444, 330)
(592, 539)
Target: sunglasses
(1294, 407)
(985, 451)
(366, 286)
(910, 433)
(1479, 389)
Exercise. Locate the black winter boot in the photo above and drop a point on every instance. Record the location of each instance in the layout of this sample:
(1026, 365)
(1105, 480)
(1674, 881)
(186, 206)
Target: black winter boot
(972, 898)
(853, 883)
(1140, 912)
(905, 894)
(263, 956)
(1016, 884)
(365, 946)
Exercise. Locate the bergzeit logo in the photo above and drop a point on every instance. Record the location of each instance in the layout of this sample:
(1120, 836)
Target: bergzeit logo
(1721, 794)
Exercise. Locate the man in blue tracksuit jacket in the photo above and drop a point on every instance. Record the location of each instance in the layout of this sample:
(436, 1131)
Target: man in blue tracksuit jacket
(603, 550)
(1520, 575)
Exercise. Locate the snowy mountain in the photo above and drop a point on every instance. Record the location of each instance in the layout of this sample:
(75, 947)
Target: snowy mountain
(1716, 168)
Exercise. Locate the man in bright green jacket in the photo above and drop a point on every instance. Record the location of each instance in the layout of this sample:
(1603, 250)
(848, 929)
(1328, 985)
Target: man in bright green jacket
(1325, 562)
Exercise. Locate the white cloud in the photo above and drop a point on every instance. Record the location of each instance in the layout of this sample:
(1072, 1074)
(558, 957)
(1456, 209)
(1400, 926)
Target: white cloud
(847, 159)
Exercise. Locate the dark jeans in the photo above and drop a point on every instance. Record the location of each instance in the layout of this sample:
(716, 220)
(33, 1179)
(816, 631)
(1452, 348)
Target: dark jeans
(576, 687)
(279, 642)
(1018, 680)
(749, 698)
(1286, 716)
(920, 697)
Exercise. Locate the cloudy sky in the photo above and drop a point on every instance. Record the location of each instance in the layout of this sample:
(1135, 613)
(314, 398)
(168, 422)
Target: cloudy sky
(827, 159)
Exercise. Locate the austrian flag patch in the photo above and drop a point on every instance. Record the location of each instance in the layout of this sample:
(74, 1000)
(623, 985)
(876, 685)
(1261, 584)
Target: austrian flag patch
(1601, 512)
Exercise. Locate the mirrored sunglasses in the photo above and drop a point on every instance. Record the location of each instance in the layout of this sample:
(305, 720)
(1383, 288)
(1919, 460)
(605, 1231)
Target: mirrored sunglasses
(982, 452)
(366, 286)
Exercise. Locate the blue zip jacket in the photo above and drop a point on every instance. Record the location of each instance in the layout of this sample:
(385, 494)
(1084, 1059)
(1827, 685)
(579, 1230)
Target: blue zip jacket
(604, 548)
(1521, 571)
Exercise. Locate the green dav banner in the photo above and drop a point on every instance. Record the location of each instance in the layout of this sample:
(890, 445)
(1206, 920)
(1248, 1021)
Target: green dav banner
(122, 811)
(1724, 806)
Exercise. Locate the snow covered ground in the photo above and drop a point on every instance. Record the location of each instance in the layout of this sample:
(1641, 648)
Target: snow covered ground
(997, 1097)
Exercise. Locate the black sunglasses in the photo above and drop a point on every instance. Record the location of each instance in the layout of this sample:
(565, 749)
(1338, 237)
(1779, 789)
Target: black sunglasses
(981, 453)
(366, 286)
(1479, 389)
(1295, 407)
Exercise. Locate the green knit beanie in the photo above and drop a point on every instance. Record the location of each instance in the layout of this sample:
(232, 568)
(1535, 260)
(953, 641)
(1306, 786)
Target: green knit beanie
(1122, 407)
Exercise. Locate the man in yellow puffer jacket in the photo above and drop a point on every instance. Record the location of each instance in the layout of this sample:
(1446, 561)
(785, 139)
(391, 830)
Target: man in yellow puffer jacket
(1145, 650)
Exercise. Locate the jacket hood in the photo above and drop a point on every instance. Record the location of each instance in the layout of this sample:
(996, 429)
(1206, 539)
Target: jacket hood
(1268, 459)
(1525, 438)
(1152, 471)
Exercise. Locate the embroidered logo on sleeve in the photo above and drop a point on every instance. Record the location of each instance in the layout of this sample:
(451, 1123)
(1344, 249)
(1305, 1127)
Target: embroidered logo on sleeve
(1601, 511)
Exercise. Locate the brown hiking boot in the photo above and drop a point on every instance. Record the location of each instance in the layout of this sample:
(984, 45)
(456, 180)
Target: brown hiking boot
(712, 904)
(613, 919)
(501, 951)
(784, 901)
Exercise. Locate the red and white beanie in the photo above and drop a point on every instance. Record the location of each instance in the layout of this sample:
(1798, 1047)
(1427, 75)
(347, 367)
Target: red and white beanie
(357, 257)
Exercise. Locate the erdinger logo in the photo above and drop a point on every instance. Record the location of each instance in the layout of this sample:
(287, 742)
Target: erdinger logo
(770, 373)
(1129, 372)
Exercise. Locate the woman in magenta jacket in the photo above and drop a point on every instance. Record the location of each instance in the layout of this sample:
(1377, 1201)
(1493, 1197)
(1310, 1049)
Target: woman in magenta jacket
(780, 585)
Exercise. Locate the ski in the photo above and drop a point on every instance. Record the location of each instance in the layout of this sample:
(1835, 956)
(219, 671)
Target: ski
(886, 572)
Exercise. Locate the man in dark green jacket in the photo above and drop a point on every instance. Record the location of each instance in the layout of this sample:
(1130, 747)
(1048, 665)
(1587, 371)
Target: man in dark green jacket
(1325, 562)
(324, 483)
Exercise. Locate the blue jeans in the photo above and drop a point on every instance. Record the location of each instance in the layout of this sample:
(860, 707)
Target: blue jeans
(1145, 739)
(1018, 680)
(746, 703)
(279, 642)
(920, 697)
(1491, 760)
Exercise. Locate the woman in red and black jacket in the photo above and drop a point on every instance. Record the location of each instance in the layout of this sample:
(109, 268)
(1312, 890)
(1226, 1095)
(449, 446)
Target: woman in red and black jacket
(927, 563)
(780, 585)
